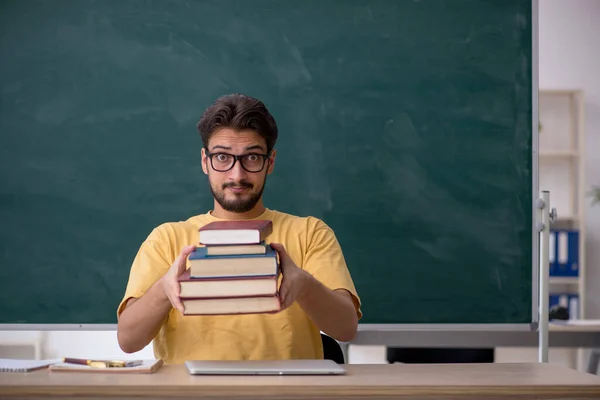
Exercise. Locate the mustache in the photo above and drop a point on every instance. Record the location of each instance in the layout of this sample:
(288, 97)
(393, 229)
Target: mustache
(242, 184)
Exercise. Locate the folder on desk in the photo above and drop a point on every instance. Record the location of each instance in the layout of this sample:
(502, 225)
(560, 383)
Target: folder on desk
(146, 367)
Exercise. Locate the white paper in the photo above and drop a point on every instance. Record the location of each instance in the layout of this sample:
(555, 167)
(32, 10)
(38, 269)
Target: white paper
(14, 365)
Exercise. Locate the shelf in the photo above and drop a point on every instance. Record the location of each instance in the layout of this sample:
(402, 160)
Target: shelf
(562, 224)
(558, 92)
(566, 218)
(564, 280)
(558, 154)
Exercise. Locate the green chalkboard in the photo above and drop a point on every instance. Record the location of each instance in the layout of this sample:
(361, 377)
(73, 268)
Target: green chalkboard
(404, 125)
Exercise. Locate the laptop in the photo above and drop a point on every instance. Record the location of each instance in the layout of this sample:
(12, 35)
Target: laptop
(267, 367)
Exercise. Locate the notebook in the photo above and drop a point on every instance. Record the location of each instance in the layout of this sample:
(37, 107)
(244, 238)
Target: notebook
(13, 365)
(264, 367)
(146, 367)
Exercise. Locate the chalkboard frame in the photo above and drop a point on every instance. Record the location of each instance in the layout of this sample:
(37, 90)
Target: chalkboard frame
(537, 280)
(374, 328)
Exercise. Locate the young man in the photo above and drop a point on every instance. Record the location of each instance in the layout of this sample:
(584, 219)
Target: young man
(317, 292)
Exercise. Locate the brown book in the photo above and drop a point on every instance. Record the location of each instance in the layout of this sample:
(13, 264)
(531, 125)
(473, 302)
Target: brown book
(235, 232)
(234, 305)
(227, 287)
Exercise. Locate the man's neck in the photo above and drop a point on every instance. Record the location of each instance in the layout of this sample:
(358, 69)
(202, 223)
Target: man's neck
(219, 212)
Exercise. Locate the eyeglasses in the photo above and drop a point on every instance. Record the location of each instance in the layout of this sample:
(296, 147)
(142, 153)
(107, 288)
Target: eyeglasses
(223, 162)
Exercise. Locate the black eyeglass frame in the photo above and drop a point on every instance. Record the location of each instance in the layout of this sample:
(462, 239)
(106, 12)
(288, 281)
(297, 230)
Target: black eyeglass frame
(237, 158)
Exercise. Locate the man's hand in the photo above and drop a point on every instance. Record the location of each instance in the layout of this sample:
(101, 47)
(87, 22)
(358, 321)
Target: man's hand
(294, 279)
(332, 311)
(143, 317)
(169, 282)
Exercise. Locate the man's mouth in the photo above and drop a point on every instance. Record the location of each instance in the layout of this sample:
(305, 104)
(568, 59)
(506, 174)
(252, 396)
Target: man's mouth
(238, 189)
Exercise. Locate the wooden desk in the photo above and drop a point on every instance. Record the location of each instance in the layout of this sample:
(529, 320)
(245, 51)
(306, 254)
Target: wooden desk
(480, 381)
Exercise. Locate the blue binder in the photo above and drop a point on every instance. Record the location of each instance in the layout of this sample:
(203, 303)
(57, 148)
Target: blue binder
(569, 301)
(564, 253)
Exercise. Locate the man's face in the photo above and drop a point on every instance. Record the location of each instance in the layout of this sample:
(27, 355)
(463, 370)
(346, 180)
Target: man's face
(236, 189)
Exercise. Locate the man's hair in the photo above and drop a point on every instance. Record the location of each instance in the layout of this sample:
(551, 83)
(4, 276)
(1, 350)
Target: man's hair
(238, 112)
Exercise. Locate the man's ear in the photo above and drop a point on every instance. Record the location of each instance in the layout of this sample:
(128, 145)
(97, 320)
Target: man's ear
(204, 161)
(271, 161)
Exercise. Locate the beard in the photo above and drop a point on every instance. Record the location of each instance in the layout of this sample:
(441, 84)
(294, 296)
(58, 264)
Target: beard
(242, 202)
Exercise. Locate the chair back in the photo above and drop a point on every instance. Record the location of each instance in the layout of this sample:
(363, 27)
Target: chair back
(332, 349)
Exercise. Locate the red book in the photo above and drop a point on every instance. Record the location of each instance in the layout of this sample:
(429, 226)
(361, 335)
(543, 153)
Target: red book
(235, 232)
(237, 305)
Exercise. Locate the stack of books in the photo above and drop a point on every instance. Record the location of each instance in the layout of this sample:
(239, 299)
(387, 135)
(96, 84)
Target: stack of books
(233, 272)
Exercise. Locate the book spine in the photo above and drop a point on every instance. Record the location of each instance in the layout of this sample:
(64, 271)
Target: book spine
(225, 297)
(237, 313)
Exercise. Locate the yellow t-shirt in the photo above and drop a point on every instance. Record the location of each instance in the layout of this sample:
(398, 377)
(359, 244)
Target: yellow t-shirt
(289, 334)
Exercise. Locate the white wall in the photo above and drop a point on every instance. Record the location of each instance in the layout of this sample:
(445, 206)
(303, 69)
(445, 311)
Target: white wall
(569, 58)
(78, 344)
(569, 37)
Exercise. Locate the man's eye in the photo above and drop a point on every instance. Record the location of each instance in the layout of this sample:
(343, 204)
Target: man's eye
(222, 157)
(251, 157)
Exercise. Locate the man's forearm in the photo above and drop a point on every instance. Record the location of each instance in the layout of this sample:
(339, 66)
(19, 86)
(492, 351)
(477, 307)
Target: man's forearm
(142, 318)
(332, 311)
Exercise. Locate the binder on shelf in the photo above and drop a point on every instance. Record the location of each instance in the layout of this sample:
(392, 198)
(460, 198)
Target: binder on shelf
(568, 301)
(573, 306)
(559, 300)
(552, 255)
(564, 253)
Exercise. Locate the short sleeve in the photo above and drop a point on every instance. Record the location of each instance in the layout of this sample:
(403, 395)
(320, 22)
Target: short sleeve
(325, 261)
(150, 264)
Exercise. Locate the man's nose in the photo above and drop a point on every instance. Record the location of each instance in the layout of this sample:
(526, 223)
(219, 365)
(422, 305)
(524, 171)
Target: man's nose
(237, 173)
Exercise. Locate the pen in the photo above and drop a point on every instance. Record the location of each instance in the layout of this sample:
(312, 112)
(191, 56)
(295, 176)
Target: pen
(102, 363)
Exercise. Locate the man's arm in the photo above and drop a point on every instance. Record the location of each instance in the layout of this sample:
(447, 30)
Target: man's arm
(142, 318)
(332, 311)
